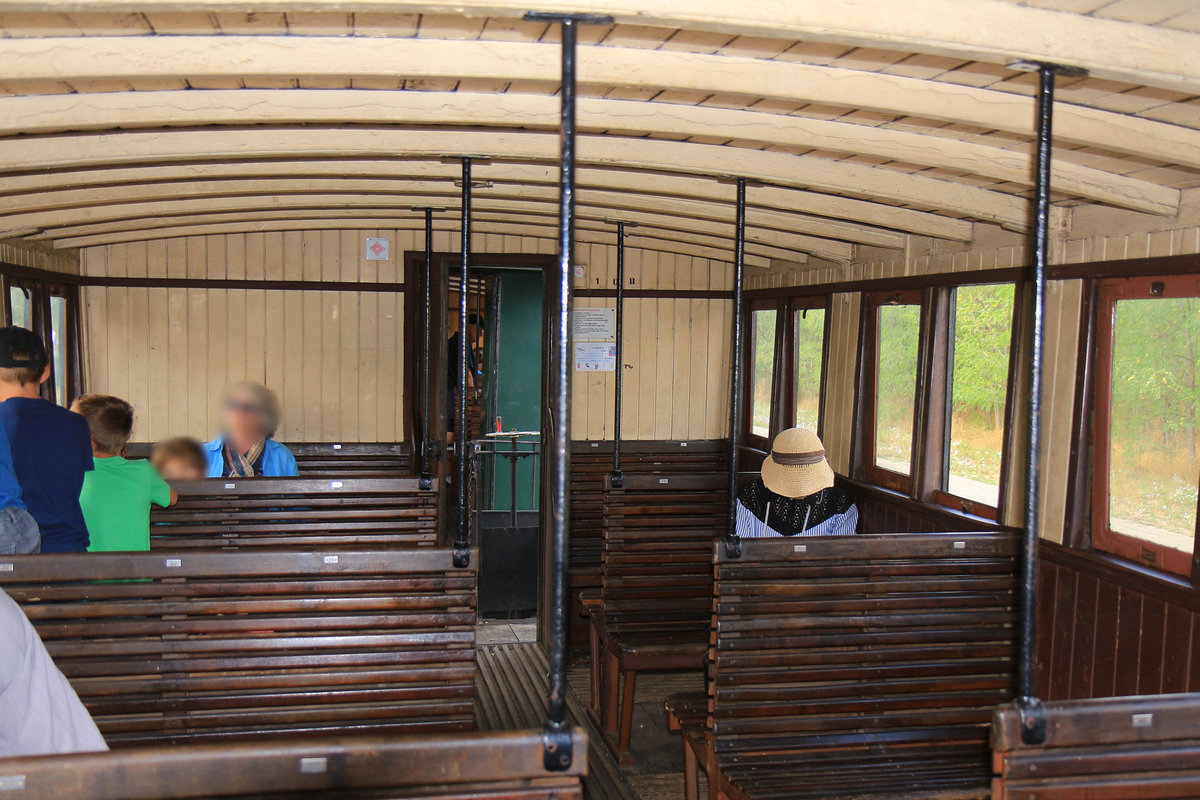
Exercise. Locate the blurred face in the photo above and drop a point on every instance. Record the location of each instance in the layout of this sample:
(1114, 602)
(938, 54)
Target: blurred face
(244, 420)
(180, 469)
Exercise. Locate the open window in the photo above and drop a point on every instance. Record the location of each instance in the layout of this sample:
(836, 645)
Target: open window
(49, 309)
(763, 331)
(891, 360)
(979, 340)
(1146, 465)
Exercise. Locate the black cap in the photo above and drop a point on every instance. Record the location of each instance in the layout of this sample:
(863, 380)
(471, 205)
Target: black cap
(13, 340)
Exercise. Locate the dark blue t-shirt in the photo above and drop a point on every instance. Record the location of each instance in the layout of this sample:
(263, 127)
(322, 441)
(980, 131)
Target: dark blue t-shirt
(51, 449)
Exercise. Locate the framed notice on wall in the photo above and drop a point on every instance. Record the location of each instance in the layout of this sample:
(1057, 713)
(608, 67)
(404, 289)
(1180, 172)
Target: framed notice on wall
(595, 333)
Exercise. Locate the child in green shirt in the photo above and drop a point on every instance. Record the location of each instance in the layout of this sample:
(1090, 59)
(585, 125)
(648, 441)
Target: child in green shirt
(116, 497)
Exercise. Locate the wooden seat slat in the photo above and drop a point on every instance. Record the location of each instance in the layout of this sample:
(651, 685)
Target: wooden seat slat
(1121, 747)
(186, 646)
(471, 766)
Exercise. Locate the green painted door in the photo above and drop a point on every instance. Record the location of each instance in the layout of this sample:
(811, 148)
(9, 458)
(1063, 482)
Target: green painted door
(518, 377)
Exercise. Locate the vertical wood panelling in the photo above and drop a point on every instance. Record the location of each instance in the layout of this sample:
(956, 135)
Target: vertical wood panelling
(1103, 633)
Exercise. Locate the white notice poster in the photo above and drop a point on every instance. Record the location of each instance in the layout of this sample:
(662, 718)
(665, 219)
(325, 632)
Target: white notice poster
(595, 357)
(594, 324)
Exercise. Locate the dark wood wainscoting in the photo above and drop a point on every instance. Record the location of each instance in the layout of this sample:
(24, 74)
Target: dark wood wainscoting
(884, 511)
(1107, 629)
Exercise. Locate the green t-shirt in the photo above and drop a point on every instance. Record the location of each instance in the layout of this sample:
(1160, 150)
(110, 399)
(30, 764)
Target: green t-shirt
(116, 500)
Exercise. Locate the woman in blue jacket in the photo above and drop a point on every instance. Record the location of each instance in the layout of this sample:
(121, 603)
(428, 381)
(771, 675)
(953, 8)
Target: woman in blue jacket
(245, 449)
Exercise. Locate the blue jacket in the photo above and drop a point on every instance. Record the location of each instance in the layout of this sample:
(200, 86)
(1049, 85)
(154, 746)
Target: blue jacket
(277, 460)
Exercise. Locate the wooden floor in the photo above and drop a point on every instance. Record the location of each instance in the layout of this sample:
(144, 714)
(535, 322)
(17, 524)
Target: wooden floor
(512, 695)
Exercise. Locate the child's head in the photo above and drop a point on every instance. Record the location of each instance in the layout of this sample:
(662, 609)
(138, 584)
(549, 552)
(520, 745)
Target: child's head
(180, 459)
(110, 420)
(23, 360)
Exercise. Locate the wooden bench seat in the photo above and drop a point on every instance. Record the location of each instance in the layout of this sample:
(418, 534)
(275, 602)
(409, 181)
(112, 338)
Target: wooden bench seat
(656, 597)
(1126, 748)
(340, 459)
(195, 647)
(856, 666)
(474, 766)
(297, 513)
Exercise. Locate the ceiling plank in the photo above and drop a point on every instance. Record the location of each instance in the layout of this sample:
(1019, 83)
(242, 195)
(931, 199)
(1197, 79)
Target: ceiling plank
(643, 242)
(225, 57)
(96, 111)
(545, 206)
(802, 206)
(95, 150)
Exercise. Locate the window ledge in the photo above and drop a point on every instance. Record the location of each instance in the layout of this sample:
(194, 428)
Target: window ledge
(1172, 588)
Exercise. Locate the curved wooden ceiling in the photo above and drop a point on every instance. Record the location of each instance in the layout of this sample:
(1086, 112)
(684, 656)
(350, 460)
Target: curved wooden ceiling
(863, 121)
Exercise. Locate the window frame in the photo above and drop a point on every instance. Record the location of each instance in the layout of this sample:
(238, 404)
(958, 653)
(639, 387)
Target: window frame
(942, 385)
(1107, 292)
(40, 290)
(868, 383)
(783, 379)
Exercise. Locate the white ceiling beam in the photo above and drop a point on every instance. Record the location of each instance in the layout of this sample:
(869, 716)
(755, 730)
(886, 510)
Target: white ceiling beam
(290, 57)
(773, 225)
(642, 242)
(98, 111)
(802, 206)
(152, 214)
(97, 150)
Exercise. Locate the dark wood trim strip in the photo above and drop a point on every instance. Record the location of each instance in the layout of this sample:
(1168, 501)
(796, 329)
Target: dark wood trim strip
(1117, 268)
(680, 294)
(213, 283)
(1167, 588)
(1077, 528)
(33, 273)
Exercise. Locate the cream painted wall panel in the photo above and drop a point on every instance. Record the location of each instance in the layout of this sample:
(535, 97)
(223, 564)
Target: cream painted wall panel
(38, 256)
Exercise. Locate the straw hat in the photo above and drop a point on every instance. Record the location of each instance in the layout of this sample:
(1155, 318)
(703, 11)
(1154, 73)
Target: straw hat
(796, 466)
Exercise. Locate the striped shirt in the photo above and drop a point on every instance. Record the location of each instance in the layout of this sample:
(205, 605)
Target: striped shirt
(750, 526)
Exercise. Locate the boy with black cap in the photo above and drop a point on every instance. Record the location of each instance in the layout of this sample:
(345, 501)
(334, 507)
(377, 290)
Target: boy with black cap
(51, 447)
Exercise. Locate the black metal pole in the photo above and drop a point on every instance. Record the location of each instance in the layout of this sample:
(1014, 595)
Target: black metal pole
(462, 553)
(617, 478)
(1033, 721)
(557, 735)
(426, 481)
(733, 545)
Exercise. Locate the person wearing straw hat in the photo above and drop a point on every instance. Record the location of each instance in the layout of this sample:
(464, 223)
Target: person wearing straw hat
(794, 495)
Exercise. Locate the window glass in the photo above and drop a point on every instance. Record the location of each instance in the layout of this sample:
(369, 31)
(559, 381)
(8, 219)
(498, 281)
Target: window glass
(1153, 462)
(762, 351)
(810, 356)
(22, 309)
(896, 389)
(58, 333)
(978, 391)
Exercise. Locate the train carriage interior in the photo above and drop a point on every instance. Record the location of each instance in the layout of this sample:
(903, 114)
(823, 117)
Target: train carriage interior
(549, 304)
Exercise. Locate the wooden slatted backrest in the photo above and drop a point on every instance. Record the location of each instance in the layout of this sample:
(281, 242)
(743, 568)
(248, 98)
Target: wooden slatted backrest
(297, 513)
(475, 766)
(199, 646)
(862, 664)
(1120, 747)
(658, 534)
(343, 459)
(591, 464)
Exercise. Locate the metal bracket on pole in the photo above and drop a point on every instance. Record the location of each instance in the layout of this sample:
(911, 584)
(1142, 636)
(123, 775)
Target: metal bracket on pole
(557, 749)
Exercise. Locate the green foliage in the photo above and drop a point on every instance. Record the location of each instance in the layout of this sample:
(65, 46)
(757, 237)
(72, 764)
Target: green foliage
(982, 336)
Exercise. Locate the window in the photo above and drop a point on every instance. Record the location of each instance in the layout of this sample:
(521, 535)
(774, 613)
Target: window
(47, 308)
(1147, 404)
(762, 369)
(977, 392)
(808, 362)
(894, 349)
(58, 347)
(22, 309)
